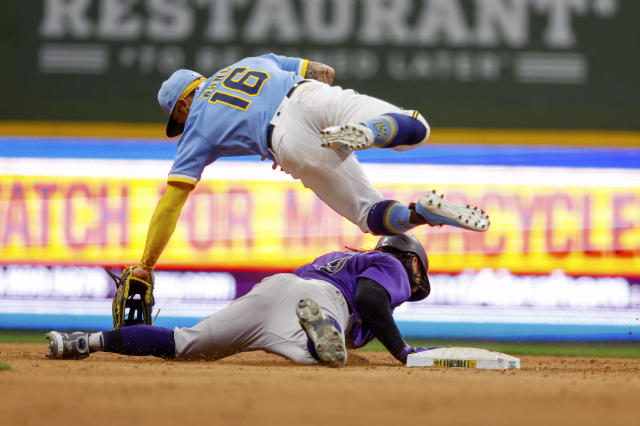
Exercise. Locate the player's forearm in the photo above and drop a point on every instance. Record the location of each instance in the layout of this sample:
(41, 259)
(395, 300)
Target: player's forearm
(320, 72)
(372, 302)
(163, 222)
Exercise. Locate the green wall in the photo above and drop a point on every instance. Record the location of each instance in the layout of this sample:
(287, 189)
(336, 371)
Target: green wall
(463, 63)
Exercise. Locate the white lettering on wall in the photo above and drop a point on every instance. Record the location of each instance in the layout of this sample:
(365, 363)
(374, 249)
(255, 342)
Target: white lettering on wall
(117, 20)
(559, 31)
(65, 17)
(487, 23)
(170, 20)
(441, 21)
(431, 39)
(221, 24)
(273, 17)
(498, 20)
(329, 29)
(384, 20)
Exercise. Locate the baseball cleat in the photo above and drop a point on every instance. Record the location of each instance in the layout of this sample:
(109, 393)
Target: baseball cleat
(351, 136)
(68, 345)
(327, 339)
(438, 211)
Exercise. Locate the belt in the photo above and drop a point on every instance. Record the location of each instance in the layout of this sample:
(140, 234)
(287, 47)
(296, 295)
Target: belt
(295, 86)
(272, 126)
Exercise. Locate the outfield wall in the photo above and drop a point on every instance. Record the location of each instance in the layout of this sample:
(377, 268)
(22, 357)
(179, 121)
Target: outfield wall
(561, 260)
(462, 63)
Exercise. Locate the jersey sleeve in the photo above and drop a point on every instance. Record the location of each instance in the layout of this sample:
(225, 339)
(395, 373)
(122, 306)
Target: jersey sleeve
(193, 155)
(296, 65)
(390, 274)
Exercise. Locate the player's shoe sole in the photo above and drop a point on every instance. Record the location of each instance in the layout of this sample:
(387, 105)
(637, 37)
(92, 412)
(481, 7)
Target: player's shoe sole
(438, 211)
(327, 339)
(67, 345)
(351, 136)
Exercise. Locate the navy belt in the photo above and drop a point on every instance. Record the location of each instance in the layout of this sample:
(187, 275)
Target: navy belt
(270, 127)
(295, 86)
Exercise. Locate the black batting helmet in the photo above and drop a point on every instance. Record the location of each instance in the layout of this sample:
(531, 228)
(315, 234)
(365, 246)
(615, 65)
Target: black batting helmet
(408, 244)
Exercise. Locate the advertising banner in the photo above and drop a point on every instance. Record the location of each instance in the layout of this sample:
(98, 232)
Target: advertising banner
(560, 261)
(472, 63)
(247, 216)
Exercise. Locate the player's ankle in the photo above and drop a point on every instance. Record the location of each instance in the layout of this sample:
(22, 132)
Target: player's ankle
(393, 129)
(414, 217)
(96, 342)
(384, 129)
(389, 217)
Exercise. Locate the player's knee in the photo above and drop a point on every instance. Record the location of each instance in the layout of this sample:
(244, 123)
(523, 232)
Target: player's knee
(420, 131)
(427, 133)
(362, 220)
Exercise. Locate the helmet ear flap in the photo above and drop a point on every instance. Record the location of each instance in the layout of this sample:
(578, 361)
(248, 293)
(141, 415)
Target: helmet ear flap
(407, 244)
(418, 279)
(410, 262)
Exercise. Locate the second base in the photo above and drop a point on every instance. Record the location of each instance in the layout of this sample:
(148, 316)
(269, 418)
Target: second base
(458, 357)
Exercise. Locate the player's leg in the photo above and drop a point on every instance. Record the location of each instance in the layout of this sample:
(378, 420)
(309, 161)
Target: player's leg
(309, 322)
(224, 333)
(231, 330)
(252, 322)
(266, 319)
(391, 217)
(239, 327)
(325, 338)
(337, 177)
(364, 121)
(334, 176)
(137, 340)
(391, 130)
(403, 130)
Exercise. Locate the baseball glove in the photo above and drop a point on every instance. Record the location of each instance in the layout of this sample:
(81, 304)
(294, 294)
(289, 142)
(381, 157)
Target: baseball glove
(133, 302)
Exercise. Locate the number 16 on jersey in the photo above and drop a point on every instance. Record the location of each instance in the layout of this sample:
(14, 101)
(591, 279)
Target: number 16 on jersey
(241, 82)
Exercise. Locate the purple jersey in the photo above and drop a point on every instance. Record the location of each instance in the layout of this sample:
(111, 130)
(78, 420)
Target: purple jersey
(342, 269)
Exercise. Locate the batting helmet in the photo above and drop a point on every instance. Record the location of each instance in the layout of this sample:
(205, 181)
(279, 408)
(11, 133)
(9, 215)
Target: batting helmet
(400, 246)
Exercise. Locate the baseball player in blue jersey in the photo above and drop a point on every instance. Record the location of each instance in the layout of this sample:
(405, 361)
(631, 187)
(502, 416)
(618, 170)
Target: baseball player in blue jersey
(340, 300)
(286, 110)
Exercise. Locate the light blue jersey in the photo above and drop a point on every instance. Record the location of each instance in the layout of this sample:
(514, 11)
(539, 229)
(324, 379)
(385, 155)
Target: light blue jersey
(231, 112)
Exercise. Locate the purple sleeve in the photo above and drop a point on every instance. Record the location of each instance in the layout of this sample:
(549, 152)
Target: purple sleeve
(390, 274)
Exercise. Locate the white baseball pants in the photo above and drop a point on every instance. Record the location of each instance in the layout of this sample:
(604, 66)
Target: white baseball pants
(263, 319)
(335, 176)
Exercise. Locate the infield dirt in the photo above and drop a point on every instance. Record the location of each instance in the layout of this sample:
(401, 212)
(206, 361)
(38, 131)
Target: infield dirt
(263, 389)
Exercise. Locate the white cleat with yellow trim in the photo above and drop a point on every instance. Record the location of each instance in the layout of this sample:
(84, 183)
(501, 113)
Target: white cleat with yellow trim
(437, 211)
(350, 136)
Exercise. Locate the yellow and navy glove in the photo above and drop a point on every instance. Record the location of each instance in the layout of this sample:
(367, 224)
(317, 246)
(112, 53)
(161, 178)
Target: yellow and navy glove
(133, 301)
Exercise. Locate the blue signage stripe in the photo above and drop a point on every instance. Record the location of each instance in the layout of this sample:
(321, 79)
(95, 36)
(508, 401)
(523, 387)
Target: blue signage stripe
(416, 330)
(530, 332)
(440, 154)
(118, 149)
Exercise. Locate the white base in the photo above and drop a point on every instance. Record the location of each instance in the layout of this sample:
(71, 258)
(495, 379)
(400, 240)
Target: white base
(463, 358)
